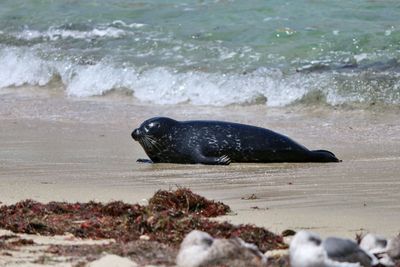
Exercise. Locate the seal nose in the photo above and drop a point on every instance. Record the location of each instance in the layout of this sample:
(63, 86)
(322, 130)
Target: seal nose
(135, 134)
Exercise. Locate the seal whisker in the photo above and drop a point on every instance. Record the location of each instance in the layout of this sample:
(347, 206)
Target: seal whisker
(153, 142)
(148, 143)
(142, 142)
(151, 138)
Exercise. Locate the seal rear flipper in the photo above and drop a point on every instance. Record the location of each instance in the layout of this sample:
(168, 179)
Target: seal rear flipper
(323, 156)
(144, 161)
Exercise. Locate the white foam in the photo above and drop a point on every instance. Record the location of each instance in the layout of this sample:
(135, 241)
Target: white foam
(19, 66)
(131, 25)
(274, 18)
(200, 88)
(158, 85)
(55, 34)
(92, 80)
(361, 57)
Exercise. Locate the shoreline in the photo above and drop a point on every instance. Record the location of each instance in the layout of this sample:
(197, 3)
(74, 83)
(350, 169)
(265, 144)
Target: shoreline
(56, 148)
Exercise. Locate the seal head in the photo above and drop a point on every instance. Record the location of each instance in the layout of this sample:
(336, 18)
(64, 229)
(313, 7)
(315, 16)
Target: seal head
(153, 128)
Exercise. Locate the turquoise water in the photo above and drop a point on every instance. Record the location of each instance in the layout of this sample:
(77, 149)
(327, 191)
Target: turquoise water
(206, 52)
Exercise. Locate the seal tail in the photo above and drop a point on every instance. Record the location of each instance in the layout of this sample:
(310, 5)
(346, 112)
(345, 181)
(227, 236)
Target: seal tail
(323, 156)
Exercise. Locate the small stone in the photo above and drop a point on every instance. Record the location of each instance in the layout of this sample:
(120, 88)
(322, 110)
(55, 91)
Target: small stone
(150, 220)
(144, 237)
(277, 253)
(144, 202)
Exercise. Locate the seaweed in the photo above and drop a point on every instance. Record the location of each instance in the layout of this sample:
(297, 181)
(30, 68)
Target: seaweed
(168, 217)
(186, 201)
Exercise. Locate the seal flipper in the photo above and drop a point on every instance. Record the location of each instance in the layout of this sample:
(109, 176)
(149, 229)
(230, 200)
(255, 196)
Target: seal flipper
(144, 161)
(223, 160)
(323, 156)
(198, 157)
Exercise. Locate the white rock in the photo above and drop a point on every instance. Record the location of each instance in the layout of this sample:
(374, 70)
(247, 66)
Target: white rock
(276, 253)
(144, 237)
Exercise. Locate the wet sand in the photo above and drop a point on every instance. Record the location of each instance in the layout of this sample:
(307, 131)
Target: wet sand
(57, 148)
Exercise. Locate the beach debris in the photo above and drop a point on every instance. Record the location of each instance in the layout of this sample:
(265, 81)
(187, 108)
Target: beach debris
(386, 250)
(144, 253)
(144, 202)
(307, 250)
(10, 241)
(200, 249)
(147, 234)
(184, 200)
(276, 253)
(144, 237)
(288, 232)
(167, 219)
(288, 235)
(22, 249)
(251, 197)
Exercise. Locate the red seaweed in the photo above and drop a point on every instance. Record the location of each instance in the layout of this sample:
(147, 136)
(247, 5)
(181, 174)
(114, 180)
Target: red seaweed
(169, 216)
(186, 201)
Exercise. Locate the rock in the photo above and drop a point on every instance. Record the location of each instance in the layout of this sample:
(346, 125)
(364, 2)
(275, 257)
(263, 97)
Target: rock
(144, 237)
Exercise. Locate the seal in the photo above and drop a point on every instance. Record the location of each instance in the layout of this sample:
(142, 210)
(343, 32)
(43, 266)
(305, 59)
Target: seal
(219, 143)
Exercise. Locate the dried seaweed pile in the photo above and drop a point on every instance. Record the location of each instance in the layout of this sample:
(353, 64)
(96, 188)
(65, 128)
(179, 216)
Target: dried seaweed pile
(167, 219)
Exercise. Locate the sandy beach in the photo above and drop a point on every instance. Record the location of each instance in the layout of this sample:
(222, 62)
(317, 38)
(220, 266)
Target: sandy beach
(57, 148)
(77, 77)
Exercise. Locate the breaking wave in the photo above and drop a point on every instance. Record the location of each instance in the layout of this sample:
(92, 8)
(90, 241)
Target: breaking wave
(162, 85)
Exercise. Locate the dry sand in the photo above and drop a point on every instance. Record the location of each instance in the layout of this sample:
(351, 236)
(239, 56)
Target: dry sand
(56, 148)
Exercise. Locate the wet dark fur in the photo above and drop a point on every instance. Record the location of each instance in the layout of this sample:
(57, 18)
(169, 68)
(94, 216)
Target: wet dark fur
(217, 142)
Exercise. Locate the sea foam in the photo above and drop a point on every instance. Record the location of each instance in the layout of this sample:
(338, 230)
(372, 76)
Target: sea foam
(162, 85)
(18, 68)
(54, 33)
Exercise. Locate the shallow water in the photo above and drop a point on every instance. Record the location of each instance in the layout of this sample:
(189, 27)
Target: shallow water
(206, 52)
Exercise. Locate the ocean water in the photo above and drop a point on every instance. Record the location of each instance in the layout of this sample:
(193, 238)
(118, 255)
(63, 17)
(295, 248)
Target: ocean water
(204, 52)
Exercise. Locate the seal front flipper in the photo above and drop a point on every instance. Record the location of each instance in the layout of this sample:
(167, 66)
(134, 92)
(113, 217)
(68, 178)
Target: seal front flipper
(144, 161)
(198, 157)
(224, 160)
